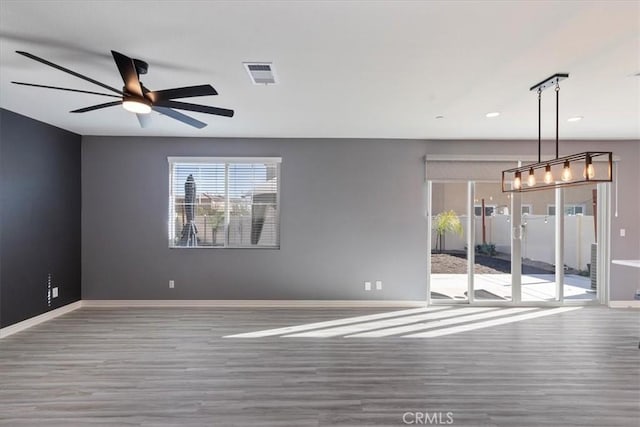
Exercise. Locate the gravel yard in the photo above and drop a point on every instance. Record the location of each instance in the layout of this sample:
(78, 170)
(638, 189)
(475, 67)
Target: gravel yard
(456, 263)
(450, 264)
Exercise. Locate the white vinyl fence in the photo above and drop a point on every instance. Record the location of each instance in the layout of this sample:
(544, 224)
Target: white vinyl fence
(538, 237)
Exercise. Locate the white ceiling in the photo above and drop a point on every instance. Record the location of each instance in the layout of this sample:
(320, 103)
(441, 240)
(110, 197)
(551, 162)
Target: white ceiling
(361, 69)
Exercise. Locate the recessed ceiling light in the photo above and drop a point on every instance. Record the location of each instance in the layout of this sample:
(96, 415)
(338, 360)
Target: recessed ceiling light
(493, 114)
(575, 119)
(439, 117)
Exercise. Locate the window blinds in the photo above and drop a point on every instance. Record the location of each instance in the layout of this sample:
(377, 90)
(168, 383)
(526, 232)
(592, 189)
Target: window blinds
(224, 202)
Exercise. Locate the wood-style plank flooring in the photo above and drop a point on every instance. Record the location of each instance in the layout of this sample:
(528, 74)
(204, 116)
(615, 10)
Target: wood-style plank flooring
(173, 367)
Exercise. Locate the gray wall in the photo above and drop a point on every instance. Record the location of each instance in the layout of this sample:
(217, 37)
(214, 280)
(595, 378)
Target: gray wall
(39, 216)
(352, 210)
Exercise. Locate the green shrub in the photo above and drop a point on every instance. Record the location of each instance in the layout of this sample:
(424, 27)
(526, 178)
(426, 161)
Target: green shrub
(486, 249)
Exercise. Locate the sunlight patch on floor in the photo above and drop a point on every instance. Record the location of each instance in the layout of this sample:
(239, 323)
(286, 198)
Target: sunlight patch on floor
(494, 322)
(428, 322)
(466, 316)
(361, 327)
(332, 323)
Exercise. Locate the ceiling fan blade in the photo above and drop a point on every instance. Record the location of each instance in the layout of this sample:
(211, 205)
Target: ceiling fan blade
(66, 70)
(128, 72)
(181, 92)
(197, 108)
(96, 107)
(144, 120)
(180, 117)
(66, 88)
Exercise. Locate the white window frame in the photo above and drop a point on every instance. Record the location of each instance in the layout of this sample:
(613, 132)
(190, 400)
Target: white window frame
(171, 160)
(573, 207)
(568, 206)
(493, 209)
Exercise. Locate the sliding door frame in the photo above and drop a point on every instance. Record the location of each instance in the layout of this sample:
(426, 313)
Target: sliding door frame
(603, 253)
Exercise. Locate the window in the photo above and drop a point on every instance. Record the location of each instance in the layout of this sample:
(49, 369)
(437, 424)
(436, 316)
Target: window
(574, 210)
(526, 209)
(224, 202)
(488, 210)
(568, 209)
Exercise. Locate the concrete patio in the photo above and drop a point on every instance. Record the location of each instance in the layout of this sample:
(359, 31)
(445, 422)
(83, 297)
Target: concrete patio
(535, 287)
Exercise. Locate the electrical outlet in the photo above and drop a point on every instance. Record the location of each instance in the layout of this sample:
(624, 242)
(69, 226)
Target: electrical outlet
(172, 284)
(623, 232)
(378, 285)
(54, 292)
(367, 286)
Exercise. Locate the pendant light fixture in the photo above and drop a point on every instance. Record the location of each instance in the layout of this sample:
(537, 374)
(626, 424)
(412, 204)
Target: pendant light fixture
(576, 169)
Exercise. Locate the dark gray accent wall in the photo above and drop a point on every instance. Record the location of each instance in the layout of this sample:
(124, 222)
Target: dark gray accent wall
(352, 210)
(39, 216)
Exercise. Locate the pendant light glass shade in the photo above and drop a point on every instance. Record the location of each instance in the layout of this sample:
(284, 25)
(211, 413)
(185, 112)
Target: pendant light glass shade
(531, 180)
(566, 171)
(517, 181)
(548, 176)
(589, 171)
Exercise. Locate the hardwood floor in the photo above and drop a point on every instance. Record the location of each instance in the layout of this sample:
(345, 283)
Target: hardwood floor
(173, 367)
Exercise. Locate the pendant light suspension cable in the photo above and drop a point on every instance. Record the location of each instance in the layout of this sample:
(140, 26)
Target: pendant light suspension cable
(557, 115)
(539, 124)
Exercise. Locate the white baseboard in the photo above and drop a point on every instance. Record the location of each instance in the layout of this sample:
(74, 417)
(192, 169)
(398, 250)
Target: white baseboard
(253, 303)
(25, 324)
(625, 304)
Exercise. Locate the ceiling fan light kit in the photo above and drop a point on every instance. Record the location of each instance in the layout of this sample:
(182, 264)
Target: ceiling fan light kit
(136, 98)
(576, 169)
(136, 105)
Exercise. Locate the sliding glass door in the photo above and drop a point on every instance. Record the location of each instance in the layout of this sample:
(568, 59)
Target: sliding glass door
(449, 252)
(580, 246)
(477, 232)
(538, 247)
(492, 243)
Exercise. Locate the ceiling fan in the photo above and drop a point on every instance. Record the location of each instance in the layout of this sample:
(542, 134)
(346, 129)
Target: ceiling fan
(135, 97)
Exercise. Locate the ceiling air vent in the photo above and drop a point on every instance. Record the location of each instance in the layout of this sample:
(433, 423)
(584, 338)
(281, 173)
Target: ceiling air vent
(261, 73)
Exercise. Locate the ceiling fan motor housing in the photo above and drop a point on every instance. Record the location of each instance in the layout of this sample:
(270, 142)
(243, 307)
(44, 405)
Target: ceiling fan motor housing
(135, 98)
